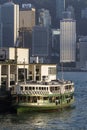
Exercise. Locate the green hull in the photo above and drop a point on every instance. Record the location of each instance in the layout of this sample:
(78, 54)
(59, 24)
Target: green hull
(43, 108)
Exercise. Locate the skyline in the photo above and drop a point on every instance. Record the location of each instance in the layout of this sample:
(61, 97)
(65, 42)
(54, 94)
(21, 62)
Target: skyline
(81, 28)
(44, 40)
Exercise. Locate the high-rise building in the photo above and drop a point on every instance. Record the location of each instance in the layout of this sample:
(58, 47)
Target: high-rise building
(60, 7)
(67, 40)
(27, 22)
(82, 52)
(40, 41)
(27, 16)
(55, 48)
(44, 18)
(10, 24)
(71, 9)
(84, 13)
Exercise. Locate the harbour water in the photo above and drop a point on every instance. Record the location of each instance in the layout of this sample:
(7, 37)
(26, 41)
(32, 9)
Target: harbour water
(74, 118)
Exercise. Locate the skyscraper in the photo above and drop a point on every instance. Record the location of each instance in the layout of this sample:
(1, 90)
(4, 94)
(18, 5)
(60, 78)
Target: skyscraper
(55, 48)
(26, 22)
(44, 18)
(10, 24)
(67, 40)
(60, 7)
(27, 16)
(40, 41)
(83, 52)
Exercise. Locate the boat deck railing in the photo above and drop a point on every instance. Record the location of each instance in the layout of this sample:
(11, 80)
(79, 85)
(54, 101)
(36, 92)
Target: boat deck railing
(52, 82)
(69, 90)
(35, 92)
(41, 91)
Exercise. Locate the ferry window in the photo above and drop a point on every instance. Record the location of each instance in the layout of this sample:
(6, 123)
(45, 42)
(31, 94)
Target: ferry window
(21, 88)
(69, 86)
(45, 98)
(52, 70)
(39, 88)
(30, 72)
(44, 88)
(36, 88)
(33, 88)
(37, 70)
(55, 88)
(29, 88)
(38, 98)
(66, 87)
(26, 88)
(47, 88)
(37, 77)
(51, 89)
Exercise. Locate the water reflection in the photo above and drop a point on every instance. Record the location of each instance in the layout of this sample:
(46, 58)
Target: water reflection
(36, 121)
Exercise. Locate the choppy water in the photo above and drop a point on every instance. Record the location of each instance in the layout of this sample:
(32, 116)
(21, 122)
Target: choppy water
(69, 119)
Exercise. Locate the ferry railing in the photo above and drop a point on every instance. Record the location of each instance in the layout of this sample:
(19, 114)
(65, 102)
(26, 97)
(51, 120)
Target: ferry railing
(69, 90)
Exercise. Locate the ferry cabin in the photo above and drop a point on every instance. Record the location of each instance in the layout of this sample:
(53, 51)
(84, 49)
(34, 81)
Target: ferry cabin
(45, 93)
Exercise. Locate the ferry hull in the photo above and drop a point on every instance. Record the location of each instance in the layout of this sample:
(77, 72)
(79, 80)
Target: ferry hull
(25, 108)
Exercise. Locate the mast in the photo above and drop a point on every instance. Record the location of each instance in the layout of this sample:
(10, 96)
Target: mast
(16, 71)
(24, 72)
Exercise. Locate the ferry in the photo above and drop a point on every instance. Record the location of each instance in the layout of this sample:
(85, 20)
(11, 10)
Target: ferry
(43, 95)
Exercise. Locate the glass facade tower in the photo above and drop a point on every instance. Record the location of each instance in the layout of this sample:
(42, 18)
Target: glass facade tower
(10, 24)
